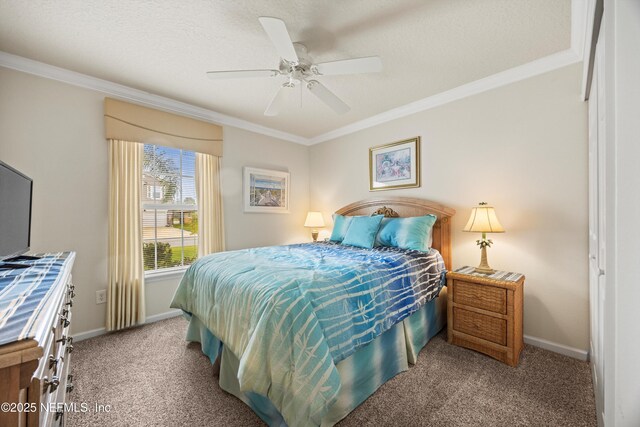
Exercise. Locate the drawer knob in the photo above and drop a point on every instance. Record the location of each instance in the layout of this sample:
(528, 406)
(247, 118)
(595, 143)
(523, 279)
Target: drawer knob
(53, 362)
(51, 385)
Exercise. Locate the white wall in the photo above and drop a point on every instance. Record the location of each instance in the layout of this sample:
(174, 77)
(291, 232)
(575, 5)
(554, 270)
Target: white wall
(522, 148)
(243, 148)
(54, 133)
(621, 23)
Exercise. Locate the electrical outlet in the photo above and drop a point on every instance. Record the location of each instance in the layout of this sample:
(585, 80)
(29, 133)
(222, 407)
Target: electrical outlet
(101, 296)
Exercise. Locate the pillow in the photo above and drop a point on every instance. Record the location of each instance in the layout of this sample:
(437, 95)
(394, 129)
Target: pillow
(362, 231)
(407, 233)
(340, 226)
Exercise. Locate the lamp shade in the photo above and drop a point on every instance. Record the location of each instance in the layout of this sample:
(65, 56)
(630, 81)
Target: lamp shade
(314, 219)
(483, 219)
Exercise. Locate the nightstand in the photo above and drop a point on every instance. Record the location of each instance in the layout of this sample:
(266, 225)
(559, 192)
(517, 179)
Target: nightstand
(485, 312)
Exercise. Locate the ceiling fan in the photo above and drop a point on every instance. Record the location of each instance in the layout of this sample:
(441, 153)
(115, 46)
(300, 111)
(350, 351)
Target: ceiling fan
(297, 67)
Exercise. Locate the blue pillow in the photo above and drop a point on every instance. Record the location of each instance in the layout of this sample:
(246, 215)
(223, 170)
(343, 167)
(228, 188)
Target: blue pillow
(340, 227)
(362, 231)
(407, 233)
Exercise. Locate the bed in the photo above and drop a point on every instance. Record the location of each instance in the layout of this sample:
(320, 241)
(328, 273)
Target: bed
(305, 333)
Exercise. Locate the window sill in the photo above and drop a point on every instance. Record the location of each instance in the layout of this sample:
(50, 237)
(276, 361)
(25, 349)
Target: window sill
(166, 274)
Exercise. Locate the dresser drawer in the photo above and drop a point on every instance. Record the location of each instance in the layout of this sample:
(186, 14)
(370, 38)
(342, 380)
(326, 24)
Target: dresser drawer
(480, 325)
(488, 298)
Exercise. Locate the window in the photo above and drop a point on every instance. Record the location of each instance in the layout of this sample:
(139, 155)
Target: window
(169, 208)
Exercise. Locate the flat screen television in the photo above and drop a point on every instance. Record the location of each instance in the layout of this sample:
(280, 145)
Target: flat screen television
(15, 212)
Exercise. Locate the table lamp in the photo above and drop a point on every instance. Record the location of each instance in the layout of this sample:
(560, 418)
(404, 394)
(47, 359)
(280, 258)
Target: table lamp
(314, 221)
(483, 220)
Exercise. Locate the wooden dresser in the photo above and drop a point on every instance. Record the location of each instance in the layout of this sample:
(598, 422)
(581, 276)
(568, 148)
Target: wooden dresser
(36, 345)
(485, 313)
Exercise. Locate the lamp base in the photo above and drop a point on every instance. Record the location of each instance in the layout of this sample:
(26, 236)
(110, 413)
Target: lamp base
(484, 268)
(314, 235)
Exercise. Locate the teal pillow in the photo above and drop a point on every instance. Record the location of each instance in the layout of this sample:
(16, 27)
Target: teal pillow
(407, 233)
(340, 227)
(362, 231)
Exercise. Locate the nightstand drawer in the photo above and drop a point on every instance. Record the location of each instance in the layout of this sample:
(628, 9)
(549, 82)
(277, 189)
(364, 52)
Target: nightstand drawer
(488, 298)
(479, 325)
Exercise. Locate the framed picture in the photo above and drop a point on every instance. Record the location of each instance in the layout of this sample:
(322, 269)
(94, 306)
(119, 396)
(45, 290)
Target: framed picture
(266, 190)
(395, 165)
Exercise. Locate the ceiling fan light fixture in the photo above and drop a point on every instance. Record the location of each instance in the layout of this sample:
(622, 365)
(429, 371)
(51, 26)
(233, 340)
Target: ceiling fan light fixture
(298, 67)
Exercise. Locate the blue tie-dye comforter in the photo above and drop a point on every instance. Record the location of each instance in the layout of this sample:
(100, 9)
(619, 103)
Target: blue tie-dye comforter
(291, 313)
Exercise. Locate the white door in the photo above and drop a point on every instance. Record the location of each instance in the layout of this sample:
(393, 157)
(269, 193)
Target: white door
(597, 237)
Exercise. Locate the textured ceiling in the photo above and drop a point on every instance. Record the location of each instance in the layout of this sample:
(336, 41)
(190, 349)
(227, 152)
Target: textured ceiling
(165, 47)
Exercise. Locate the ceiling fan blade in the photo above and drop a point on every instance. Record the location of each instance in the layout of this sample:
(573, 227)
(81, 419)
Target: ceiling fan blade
(370, 64)
(277, 32)
(328, 97)
(277, 102)
(241, 74)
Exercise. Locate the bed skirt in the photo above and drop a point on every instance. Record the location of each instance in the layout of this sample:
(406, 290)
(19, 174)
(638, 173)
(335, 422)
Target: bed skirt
(361, 374)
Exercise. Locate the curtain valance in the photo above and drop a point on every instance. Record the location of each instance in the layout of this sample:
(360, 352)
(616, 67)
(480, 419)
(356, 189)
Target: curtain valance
(131, 122)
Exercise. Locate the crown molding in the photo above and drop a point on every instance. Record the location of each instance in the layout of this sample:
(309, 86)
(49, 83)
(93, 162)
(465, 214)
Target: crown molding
(127, 93)
(512, 75)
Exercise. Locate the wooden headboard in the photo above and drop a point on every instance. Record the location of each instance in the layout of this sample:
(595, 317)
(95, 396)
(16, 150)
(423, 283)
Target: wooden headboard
(407, 207)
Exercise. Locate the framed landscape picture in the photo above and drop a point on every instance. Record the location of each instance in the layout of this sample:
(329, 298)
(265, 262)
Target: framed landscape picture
(395, 165)
(266, 190)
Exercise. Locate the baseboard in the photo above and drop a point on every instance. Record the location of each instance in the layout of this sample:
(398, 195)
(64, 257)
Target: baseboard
(167, 315)
(89, 334)
(557, 348)
(101, 331)
(537, 342)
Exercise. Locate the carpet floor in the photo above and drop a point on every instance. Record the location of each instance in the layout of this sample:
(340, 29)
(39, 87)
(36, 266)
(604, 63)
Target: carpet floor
(149, 376)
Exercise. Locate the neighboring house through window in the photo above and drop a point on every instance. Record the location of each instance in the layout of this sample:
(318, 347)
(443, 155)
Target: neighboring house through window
(169, 208)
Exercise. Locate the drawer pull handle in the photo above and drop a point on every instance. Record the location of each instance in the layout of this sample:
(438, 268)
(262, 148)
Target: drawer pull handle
(59, 414)
(64, 321)
(69, 348)
(51, 385)
(71, 293)
(70, 303)
(65, 312)
(62, 340)
(69, 387)
(52, 362)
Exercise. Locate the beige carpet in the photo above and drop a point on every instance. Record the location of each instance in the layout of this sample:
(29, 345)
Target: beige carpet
(151, 377)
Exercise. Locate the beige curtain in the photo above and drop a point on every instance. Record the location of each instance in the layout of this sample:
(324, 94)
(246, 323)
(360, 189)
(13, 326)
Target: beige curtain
(210, 216)
(125, 301)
